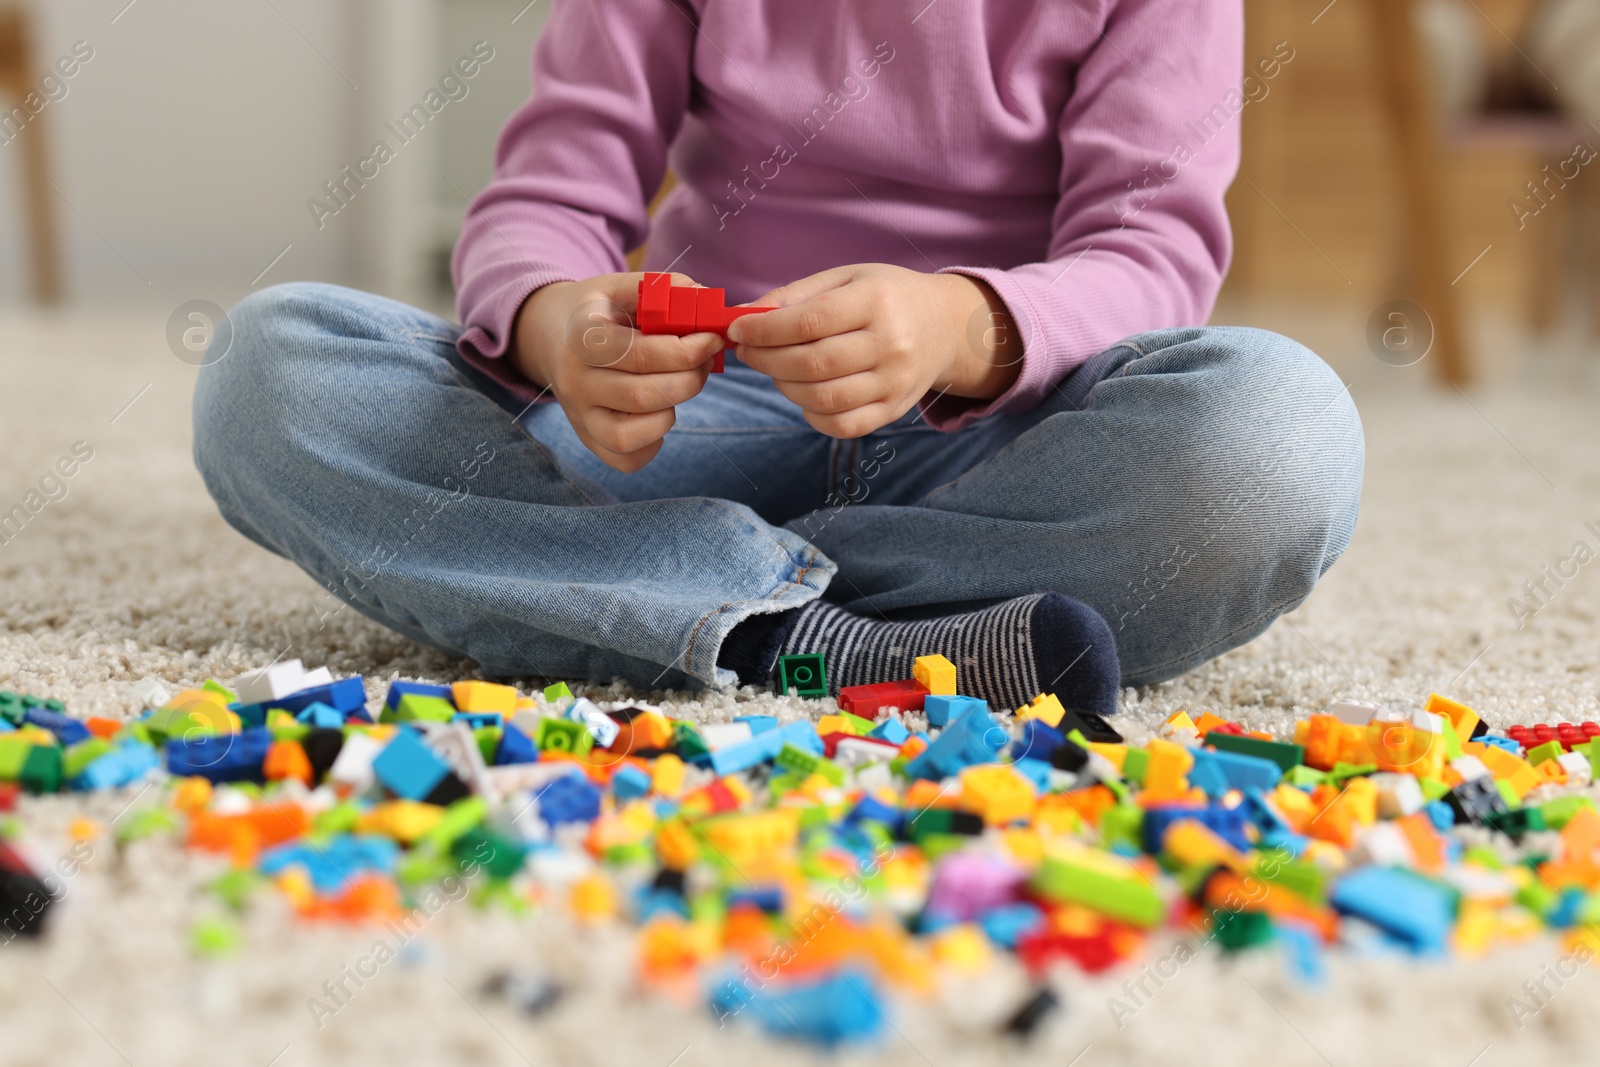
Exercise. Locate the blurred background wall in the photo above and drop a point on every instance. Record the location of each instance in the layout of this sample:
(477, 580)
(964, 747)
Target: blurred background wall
(182, 155)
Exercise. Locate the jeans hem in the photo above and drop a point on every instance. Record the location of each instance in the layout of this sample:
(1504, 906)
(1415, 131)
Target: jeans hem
(806, 584)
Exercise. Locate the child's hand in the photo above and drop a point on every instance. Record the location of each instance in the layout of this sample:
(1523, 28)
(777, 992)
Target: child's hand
(858, 346)
(617, 386)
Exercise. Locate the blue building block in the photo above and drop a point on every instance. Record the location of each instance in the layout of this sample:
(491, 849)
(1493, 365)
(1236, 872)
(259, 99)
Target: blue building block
(846, 1007)
(68, 731)
(407, 767)
(122, 766)
(220, 757)
(653, 901)
(1227, 823)
(630, 783)
(741, 757)
(1440, 814)
(1208, 777)
(1236, 770)
(1039, 741)
(892, 731)
(1416, 911)
(570, 798)
(1010, 923)
(5, 725)
(321, 716)
(422, 689)
(515, 747)
(973, 737)
(768, 898)
(869, 809)
(250, 714)
(347, 695)
(333, 862)
(941, 710)
(1036, 771)
(1506, 743)
(759, 724)
(477, 720)
(802, 735)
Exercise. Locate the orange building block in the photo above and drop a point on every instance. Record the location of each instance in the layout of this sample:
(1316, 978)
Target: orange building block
(287, 759)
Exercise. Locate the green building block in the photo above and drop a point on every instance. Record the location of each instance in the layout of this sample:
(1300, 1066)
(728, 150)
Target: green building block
(800, 762)
(553, 693)
(80, 755)
(1432, 788)
(1134, 764)
(1238, 930)
(1103, 883)
(634, 854)
(488, 738)
(11, 707)
(213, 938)
(803, 675)
(290, 731)
(499, 856)
(563, 735)
(41, 770)
(1122, 823)
(228, 696)
(13, 754)
(1305, 777)
(339, 819)
(419, 707)
(1557, 813)
(1285, 755)
(1508, 794)
(1305, 880)
(1452, 740)
(690, 744)
(1546, 751)
(1343, 772)
(787, 782)
(863, 726)
(1538, 898)
(1516, 822)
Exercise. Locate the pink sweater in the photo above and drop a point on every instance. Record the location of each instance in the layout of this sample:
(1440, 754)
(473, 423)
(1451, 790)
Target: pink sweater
(1073, 154)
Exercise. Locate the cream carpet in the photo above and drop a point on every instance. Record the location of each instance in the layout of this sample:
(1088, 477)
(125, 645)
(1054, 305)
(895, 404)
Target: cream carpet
(131, 576)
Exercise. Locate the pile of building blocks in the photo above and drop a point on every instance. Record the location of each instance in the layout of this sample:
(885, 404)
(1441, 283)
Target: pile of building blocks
(681, 310)
(802, 869)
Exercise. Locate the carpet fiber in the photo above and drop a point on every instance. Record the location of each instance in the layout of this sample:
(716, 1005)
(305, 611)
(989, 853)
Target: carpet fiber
(131, 576)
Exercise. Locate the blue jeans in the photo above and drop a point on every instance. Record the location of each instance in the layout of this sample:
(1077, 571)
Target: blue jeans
(1191, 485)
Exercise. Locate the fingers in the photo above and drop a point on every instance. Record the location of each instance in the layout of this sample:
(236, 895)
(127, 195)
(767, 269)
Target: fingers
(827, 314)
(857, 422)
(623, 433)
(837, 395)
(817, 361)
(807, 288)
(641, 393)
(618, 347)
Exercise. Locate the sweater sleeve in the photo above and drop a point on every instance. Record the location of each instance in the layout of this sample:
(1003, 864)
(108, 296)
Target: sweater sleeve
(575, 166)
(1139, 239)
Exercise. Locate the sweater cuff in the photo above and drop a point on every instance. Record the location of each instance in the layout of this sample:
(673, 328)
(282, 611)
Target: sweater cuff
(1039, 373)
(487, 337)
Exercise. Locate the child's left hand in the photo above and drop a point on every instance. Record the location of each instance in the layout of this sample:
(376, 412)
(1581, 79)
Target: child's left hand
(856, 347)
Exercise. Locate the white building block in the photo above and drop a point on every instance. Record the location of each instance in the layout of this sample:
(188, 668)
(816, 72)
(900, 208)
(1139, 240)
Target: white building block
(270, 683)
(1469, 767)
(1579, 771)
(602, 727)
(1354, 712)
(353, 766)
(1398, 795)
(723, 734)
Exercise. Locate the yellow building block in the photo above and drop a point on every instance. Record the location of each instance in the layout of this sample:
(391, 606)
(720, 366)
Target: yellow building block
(404, 820)
(1117, 754)
(1463, 718)
(1181, 721)
(1046, 708)
(484, 697)
(748, 839)
(593, 898)
(835, 724)
(1192, 844)
(1166, 772)
(963, 948)
(1515, 771)
(935, 674)
(676, 845)
(666, 776)
(997, 792)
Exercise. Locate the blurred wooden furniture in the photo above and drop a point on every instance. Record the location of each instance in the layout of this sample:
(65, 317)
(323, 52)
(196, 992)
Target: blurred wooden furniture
(1420, 146)
(19, 77)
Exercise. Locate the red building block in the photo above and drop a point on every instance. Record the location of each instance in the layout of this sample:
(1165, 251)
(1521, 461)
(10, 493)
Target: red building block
(1569, 734)
(681, 310)
(868, 701)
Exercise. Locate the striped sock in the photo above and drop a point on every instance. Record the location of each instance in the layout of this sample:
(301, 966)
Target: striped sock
(1006, 654)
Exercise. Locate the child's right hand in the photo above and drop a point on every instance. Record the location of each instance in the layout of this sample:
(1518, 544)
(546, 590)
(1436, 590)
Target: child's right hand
(617, 386)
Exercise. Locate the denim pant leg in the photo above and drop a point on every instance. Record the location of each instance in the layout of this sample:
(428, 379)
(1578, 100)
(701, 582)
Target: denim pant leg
(1191, 485)
(342, 431)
